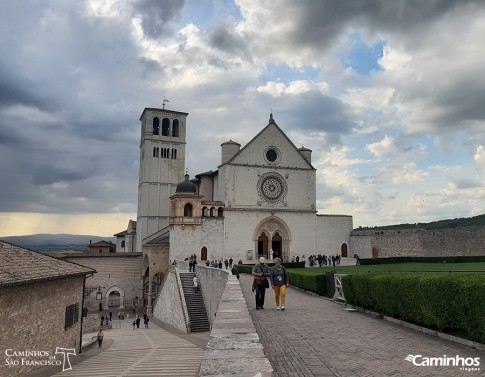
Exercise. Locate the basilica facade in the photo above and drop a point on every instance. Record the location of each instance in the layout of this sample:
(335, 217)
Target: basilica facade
(259, 201)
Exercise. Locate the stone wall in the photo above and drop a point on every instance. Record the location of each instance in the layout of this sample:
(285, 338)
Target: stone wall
(419, 242)
(32, 319)
(213, 282)
(170, 306)
(114, 273)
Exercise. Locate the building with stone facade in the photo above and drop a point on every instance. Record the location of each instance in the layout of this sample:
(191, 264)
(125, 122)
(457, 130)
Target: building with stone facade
(41, 299)
(102, 247)
(260, 201)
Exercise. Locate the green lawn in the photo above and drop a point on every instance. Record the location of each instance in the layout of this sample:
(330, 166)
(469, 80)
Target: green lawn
(399, 267)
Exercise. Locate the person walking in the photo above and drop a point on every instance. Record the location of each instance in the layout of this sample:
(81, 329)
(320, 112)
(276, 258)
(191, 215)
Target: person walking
(100, 337)
(260, 272)
(279, 281)
(146, 320)
(138, 322)
(196, 284)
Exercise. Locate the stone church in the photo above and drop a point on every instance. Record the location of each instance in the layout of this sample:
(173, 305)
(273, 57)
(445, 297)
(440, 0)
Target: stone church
(259, 201)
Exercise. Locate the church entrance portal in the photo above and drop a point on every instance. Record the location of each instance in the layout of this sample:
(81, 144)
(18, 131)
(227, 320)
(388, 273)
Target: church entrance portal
(203, 253)
(272, 239)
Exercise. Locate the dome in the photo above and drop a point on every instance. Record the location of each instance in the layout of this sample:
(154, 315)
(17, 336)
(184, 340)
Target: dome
(186, 186)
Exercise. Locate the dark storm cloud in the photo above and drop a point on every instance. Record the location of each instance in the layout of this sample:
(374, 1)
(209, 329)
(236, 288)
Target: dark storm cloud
(157, 16)
(224, 38)
(319, 22)
(314, 111)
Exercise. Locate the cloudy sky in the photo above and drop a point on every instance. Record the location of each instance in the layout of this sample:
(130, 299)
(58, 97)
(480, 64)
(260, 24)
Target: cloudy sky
(389, 95)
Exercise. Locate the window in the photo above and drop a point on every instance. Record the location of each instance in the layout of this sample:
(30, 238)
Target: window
(175, 128)
(212, 211)
(174, 154)
(188, 210)
(72, 315)
(122, 243)
(156, 126)
(204, 211)
(220, 212)
(156, 151)
(165, 127)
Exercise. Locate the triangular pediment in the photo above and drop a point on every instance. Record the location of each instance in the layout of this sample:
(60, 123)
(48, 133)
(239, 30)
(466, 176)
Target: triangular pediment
(272, 137)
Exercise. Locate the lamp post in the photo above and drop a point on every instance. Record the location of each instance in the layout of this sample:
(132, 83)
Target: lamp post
(99, 294)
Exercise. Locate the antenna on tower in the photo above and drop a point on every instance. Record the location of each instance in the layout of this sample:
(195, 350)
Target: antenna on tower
(163, 102)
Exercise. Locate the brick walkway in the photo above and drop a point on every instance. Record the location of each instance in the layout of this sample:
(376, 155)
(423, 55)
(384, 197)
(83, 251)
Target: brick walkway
(317, 337)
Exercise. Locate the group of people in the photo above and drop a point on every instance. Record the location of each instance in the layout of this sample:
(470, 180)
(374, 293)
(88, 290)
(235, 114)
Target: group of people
(136, 322)
(324, 260)
(277, 276)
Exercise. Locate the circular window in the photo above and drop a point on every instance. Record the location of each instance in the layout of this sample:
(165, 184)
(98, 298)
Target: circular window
(272, 187)
(271, 155)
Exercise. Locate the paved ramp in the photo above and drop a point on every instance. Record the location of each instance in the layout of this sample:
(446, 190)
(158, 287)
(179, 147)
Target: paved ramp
(141, 352)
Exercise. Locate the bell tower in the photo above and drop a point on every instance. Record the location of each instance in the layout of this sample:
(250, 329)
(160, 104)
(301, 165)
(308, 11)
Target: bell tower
(162, 167)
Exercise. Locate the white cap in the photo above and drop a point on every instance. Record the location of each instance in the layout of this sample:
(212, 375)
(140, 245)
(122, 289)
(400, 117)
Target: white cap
(262, 259)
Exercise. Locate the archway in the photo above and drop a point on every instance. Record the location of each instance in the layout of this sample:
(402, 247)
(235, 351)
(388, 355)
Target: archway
(114, 300)
(203, 253)
(278, 235)
(115, 297)
(276, 245)
(375, 253)
(263, 245)
(343, 250)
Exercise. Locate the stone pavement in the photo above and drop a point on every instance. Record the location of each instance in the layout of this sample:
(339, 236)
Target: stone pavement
(318, 337)
(157, 351)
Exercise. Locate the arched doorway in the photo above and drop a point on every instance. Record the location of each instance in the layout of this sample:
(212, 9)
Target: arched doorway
(263, 245)
(203, 253)
(343, 250)
(272, 233)
(115, 297)
(114, 300)
(276, 245)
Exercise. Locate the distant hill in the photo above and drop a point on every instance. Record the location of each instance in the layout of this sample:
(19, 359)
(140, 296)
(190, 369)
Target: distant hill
(55, 242)
(440, 224)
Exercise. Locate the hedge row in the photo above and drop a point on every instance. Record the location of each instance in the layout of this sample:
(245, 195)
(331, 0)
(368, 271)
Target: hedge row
(316, 283)
(449, 303)
(392, 260)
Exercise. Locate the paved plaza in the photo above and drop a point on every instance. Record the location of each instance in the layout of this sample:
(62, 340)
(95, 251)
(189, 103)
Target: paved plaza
(318, 337)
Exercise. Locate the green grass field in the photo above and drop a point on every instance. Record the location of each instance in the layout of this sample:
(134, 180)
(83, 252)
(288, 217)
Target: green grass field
(397, 268)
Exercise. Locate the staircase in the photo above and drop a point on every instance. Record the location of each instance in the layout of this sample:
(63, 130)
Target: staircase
(195, 303)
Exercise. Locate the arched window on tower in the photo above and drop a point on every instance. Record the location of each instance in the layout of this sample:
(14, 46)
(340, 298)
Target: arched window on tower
(174, 154)
(175, 128)
(204, 211)
(165, 127)
(188, 210)
(212, 212)
(220, 212)
(156, 126)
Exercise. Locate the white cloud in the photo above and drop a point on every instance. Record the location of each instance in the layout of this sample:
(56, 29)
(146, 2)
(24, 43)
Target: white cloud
(382, 148)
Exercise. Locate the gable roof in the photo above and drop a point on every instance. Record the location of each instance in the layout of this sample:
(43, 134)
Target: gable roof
(19, 266)
(271, 123)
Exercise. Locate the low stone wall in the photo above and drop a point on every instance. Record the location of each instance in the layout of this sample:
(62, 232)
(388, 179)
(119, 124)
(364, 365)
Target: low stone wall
(418, 242)
(213, 282)
(170, 306)
(234, 346)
